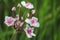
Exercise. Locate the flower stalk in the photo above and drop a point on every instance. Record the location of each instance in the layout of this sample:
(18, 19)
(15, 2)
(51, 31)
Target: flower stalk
(18, 21)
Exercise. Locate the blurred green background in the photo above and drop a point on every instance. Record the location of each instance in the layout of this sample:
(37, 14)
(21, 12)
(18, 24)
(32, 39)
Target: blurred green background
(48, 13)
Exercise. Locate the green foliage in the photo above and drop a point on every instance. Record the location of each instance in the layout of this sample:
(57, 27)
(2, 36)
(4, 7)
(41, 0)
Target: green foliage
(48, 13)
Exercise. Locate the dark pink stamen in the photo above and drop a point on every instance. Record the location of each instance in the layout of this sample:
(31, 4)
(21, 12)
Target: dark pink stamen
(33, 21)
(29, 31)
(9, 21)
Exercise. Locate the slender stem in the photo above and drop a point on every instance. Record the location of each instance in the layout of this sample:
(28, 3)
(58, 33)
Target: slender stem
(24, 14)
(13, 35)
(19, 13)
(12, 13)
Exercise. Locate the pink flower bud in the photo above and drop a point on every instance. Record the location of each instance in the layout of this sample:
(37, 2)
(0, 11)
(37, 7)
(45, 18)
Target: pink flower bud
(33, 11)
(28, 15)
(17, 17)
(18, 5)
(21, 24)
(13, 9)
(22, 18)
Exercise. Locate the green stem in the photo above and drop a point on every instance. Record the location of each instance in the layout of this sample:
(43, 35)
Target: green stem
(13, 35)
(19, 13)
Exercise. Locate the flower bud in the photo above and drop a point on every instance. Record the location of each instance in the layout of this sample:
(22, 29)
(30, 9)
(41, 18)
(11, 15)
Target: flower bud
(18, 5)
(33, 11)
(13, 9)
(22, 18)
(28, 15)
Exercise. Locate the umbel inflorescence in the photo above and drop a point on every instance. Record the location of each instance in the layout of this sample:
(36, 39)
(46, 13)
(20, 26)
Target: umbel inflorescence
(18, 21)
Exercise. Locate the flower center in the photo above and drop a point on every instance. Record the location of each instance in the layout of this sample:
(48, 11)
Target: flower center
(33, 21)
(29, 31)
(9, 21)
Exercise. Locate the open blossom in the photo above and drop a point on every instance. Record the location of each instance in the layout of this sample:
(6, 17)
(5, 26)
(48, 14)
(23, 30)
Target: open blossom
(33, 21)
(27, 5)
(9, 21)
(29, 31)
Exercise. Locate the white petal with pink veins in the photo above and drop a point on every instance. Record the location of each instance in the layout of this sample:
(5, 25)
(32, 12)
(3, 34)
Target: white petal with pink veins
(35, 24)
(23, 3)
(27, 20)
(6, 17)
(35, 18)
(33, 34)
(29, 5)
(29, 36)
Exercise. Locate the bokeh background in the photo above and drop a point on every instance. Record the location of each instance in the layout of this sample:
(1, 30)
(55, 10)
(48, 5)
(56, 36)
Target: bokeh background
(48, 13)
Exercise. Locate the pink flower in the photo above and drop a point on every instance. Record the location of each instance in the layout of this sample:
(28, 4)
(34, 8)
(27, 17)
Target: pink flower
(29, 31)
(33, 11)
(9, 21)
(27, 5)
(33, 21)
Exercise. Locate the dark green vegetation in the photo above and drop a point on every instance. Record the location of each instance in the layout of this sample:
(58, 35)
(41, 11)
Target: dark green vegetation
(48, 12)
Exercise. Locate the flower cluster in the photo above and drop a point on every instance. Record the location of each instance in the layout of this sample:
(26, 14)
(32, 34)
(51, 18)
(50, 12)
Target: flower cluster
(18, 21)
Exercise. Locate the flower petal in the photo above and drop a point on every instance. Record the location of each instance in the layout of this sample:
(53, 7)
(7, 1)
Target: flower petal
(9, 21)
(23, 3)
(6, 17)
(35, 24)
(29, 36)
(27, 20)
(35, 18)
(29, 5)
(28, 31)
(33, 34)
